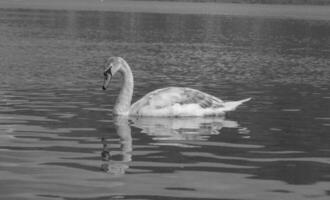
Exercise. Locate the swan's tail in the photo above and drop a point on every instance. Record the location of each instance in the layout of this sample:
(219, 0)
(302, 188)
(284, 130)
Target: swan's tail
(232, 105)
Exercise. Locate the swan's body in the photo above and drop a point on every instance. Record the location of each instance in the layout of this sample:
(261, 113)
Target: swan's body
(177, 101)
(165, 102)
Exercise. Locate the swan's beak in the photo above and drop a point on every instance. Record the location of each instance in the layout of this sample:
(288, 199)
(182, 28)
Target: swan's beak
(106, 82)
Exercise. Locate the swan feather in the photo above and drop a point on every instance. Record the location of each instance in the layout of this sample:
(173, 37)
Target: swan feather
(178, 101)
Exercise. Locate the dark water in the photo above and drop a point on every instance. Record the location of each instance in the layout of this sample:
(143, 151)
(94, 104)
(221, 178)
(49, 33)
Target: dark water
(58, 139)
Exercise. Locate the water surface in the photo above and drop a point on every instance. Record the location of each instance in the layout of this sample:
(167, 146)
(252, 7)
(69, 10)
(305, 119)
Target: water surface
(59, 140)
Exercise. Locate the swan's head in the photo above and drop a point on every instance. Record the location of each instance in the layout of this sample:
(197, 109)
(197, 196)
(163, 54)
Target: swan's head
(112, 65)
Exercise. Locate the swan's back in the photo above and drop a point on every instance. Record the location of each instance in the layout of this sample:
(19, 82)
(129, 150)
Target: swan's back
(179, 101)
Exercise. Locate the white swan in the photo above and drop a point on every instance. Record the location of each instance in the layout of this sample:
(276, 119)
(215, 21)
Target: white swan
(165, 102)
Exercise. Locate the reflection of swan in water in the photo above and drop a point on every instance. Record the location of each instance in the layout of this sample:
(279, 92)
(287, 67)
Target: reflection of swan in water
(173, 130)
(123, 130)
(169, 102)
(192, 128)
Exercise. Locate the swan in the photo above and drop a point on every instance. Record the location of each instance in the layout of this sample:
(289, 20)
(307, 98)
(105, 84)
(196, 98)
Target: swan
(165, 102)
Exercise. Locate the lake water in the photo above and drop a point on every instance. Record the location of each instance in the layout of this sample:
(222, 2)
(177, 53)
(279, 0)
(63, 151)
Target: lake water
(59, 140)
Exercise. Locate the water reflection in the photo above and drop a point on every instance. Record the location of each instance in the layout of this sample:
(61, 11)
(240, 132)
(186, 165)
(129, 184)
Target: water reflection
(182, 129)
(165, 131)
(110, 161)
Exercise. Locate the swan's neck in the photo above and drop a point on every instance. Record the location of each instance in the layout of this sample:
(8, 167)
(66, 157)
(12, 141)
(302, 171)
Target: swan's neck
(123, 103)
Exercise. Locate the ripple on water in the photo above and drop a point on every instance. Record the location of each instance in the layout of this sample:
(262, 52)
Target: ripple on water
(291, 110)
(75, 148)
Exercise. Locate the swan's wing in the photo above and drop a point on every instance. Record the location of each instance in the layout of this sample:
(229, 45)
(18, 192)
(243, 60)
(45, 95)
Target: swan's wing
(171, 96)
(191, 96)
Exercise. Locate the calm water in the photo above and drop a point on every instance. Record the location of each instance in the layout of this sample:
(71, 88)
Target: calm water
(58, 139)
